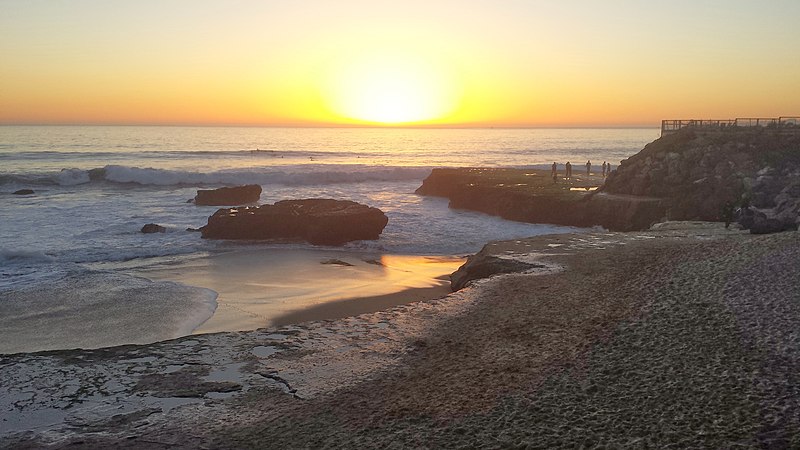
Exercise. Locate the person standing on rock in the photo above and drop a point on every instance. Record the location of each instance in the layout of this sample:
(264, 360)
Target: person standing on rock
(554, 173)
(604, 169)
(588, 167)
(568, 170)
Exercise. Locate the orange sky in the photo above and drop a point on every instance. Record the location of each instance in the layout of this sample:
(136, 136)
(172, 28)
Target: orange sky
(486, 63)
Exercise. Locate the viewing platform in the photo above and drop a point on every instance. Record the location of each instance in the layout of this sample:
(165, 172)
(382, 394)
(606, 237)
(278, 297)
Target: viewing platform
(783, 124)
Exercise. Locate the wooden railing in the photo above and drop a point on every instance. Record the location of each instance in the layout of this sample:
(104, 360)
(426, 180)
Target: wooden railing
(787, 123)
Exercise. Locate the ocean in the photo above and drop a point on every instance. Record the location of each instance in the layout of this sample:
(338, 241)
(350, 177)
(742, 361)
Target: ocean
(74, 263)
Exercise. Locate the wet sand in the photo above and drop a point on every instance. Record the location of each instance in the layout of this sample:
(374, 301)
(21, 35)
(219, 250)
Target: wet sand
(352, 307)
(682, 337)
(273, 287)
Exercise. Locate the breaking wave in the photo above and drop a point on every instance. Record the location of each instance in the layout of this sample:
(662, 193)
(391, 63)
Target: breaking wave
(304, 175)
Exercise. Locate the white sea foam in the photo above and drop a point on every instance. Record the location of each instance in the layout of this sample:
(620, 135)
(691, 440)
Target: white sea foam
(287, 175)
(71, 177)
(14, 256)
(118, 308)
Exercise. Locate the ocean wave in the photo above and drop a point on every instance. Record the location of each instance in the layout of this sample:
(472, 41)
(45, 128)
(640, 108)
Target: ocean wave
(72, 177)
(138, 153)
(300, 175)
(24, 256)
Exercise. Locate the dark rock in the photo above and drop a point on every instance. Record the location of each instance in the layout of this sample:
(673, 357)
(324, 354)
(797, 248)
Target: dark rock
(23, 192)
(698, 174)
(153, 228)
(236, 195)
(682, 176)
(186, 382)
(766, 225)
(318, 221)
(746, 217)
(483, 266)
(336, 262)
(758, 222)
(193, 230)
(625, 212)
(524, 196)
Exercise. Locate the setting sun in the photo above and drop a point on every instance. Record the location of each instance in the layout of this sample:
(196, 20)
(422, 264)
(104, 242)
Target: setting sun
(391, 89)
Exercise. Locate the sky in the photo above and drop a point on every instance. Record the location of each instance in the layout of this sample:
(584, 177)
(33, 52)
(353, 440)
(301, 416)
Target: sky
(431, 62)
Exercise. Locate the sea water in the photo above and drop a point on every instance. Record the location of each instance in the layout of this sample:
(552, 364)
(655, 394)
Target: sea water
(96, 186)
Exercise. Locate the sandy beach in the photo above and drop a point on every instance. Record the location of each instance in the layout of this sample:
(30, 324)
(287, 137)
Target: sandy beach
(275, 287)
(679, 337)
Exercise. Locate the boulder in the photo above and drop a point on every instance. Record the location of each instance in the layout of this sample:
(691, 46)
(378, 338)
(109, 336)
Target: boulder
(318, 221)
(759, 222)
(235, 195)
(23, 192)
(153, 228)
(747, 216)
(766, 225)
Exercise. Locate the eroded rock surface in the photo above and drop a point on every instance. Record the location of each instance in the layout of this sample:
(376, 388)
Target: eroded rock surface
(701, 176)
(682, 176)
(225, 196)
(481, 266)
(318, 221)
(531, 196)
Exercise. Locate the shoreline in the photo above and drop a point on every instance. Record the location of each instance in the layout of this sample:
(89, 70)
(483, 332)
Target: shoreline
(649, 338)
(340, 309)
(275, 287)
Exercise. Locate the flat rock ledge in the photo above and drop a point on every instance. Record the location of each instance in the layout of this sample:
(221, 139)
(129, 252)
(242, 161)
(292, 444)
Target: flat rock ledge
(528, 195)
(317, 221)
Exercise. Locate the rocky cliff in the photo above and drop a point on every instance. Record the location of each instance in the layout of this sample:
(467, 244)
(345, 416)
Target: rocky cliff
(702, 176)
(682, 176)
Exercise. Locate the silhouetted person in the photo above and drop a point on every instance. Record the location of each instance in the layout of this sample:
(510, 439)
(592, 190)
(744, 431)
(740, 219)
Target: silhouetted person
(727, 214)
(604, 169)
(554, 172)
(588, 167)
(568, 170)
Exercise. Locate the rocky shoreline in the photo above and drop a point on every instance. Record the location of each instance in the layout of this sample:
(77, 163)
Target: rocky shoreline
(687, 175)
(684, 336)
(528, 195)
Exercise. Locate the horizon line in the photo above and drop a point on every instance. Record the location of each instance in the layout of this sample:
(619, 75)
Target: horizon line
(322, 125)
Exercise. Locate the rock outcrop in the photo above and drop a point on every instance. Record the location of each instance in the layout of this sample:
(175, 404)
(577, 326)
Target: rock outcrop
(483, 265)
(531, 196)
(701, 175)
(228, 196)
(23, 192)
(153, 228)
(318, 221)
(682, 176)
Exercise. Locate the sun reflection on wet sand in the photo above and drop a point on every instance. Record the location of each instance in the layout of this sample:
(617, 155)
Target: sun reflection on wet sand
(256, 286)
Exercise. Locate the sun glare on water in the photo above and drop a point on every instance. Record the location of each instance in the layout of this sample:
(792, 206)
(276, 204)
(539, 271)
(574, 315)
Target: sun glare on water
(391, 90)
